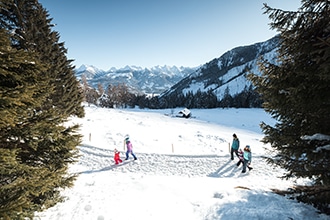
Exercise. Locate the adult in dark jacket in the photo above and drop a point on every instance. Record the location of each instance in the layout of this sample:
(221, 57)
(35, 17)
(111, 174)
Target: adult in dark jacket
(234, 146)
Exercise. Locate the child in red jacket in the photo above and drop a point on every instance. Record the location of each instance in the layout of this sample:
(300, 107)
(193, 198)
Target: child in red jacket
(117, 157)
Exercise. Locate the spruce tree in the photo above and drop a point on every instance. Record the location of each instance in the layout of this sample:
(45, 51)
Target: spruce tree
(296, 91)
(20, 95)
(38, 146)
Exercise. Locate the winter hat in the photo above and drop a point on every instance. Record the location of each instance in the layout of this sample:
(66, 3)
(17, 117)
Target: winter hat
(248, 147)
(127, 138)
(234, 135)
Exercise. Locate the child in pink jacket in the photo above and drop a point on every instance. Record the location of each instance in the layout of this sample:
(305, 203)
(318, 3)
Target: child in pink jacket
(129, 148)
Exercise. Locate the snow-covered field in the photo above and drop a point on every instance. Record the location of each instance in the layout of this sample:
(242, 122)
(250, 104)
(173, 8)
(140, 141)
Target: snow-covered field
(183, 170)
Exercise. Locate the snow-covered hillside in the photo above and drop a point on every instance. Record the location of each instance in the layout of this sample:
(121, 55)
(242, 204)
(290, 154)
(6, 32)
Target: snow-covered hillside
(183, 170)
(228, 72)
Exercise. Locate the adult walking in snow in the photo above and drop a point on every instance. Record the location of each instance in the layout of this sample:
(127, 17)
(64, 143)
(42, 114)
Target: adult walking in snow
(247, 156)
(234, 147)
(129, 148)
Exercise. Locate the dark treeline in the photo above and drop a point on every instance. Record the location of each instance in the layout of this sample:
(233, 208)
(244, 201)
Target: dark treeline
(119, 96)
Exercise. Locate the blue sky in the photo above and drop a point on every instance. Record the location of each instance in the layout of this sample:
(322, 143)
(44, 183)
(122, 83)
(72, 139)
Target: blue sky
(147, 33)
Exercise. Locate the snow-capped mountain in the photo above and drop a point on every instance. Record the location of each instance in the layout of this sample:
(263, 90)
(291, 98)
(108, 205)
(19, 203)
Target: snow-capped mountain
(228, 72)
(224, 74)
(88, 70)
(140, 80)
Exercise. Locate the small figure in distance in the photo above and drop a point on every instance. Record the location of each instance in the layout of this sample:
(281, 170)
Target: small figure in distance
(240, 157)
(247, 156)
(129, 148)
(117, 157)
(234, 146)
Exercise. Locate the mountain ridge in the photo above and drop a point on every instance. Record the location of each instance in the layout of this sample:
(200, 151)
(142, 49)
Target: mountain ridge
(225, 74)
(228, 72)
(140, 80)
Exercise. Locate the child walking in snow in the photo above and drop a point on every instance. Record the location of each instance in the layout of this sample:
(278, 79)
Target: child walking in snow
(247, 158)
(240, 157)
(129, 148)
(117, 157)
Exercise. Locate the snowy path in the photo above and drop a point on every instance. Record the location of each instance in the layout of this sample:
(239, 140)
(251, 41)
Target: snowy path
(159, 186)
(216, 166)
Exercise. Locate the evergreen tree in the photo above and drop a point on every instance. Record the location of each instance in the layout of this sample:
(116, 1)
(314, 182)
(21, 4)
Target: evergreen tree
(39, 143)
(227, 99)
(20, 95)
(296, 92)
(31, 28)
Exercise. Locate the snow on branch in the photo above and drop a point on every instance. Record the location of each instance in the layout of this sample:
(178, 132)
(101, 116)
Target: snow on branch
(319, 149)
(318, 137)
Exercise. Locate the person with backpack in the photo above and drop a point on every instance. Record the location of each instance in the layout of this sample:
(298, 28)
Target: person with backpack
(129, 148)
(247, 158)
(234, 146)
